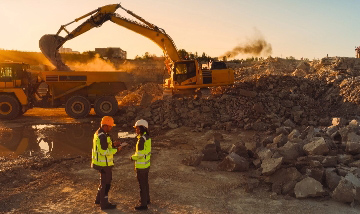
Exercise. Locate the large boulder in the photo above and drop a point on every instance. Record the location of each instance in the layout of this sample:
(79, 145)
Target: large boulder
(234, 162)
(308, 187)
(290, 151)
(264, 153)
(353, 143)
(357, 195)
(330, 161)
(193, 160)
(317, 146)
(345, 159)
(315, 172)
(210, 153)
(353, 179)
(280, 140)
(270, 165)
(239, 149)
(294, 135)
(283, 181)
(332, 179)
(344, 192)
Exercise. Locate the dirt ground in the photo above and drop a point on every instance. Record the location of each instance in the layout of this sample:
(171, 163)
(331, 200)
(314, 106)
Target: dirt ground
(61, 181)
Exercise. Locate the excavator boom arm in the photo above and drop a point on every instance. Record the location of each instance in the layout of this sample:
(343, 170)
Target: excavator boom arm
(156, 35)
(50, 44)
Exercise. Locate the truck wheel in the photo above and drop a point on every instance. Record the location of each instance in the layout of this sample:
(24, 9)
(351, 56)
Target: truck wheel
(106, 106)
(77, 107)
(9, 107)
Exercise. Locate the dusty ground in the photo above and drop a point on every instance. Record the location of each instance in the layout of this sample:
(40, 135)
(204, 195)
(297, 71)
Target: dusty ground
(62, 181)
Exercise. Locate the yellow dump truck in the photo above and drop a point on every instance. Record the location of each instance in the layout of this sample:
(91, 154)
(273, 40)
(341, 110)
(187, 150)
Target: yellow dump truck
(77, 91)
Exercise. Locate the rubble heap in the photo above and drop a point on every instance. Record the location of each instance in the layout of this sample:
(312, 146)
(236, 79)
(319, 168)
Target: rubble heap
(307, 93)
(314, 162)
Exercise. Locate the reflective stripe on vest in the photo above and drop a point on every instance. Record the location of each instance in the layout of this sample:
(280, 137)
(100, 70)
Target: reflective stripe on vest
(102, 157)
(142, 160)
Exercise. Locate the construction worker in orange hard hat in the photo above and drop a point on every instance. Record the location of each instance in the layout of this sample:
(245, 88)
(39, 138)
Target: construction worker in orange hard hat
(103, 160)
(142, 162)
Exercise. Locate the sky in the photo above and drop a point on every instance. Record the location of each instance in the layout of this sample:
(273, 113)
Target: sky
(311, 29)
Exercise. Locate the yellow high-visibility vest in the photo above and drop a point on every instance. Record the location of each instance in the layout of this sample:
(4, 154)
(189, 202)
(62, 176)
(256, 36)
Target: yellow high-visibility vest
(142, 157)
(102, 157)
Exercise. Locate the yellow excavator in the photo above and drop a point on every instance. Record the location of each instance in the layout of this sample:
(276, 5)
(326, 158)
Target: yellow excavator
(185, 75)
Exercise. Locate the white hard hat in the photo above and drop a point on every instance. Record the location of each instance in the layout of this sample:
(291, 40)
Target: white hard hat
(142, 122)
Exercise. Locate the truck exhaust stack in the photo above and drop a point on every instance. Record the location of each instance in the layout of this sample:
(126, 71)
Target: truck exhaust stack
(49, 45)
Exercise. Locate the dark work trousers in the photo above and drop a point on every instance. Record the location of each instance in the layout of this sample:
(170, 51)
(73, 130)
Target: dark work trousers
(104, 187)
(143, 178)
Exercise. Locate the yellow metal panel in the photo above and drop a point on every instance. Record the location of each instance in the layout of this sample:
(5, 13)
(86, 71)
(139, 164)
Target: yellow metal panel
(18, 83)
(19, 93)
(92, 76)
(9, 84)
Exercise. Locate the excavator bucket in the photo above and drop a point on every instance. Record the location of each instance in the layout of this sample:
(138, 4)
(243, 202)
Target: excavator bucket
(49, 45)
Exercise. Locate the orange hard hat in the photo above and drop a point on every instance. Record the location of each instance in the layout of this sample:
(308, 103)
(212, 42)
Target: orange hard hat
(107, 120)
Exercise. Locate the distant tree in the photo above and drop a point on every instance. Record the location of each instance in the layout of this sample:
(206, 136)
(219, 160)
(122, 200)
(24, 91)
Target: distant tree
(146, 56)
(291, 58)
(191, 56)
(205, 58)
(183, 54)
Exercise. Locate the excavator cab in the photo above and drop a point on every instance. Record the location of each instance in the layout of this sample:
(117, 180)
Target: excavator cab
(185, 72)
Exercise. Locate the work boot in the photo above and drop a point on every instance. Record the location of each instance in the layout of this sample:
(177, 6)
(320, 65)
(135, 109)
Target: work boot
(109, 206)
(141, 207)
(148, 202)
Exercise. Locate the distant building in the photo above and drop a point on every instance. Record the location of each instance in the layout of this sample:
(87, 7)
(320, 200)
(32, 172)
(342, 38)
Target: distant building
(111, 52)
(68, 50)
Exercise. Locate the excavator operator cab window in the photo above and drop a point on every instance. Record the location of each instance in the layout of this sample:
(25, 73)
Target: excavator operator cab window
(184, 71)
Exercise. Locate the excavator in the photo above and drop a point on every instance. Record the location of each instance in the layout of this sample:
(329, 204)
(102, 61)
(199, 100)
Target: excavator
(185, 75)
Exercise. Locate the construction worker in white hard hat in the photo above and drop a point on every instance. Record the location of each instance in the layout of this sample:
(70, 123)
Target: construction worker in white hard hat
(142, 162)
(103, 160)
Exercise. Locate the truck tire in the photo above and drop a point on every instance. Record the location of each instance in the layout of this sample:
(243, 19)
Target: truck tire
(77, 107)
(106, 106)
(9, 107)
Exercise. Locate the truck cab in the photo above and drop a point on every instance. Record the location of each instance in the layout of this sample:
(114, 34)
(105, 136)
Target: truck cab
(14, 89)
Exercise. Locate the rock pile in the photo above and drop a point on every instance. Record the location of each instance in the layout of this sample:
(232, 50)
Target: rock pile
(258, 101)
(314, 162)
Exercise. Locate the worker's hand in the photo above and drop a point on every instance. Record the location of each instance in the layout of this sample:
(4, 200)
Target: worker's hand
(117, 143)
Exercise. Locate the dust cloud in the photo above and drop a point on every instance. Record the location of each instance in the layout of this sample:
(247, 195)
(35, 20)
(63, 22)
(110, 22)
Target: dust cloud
(77, 62)
(31, 58)
(96, 64)
(256, 46)
(99, 64)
